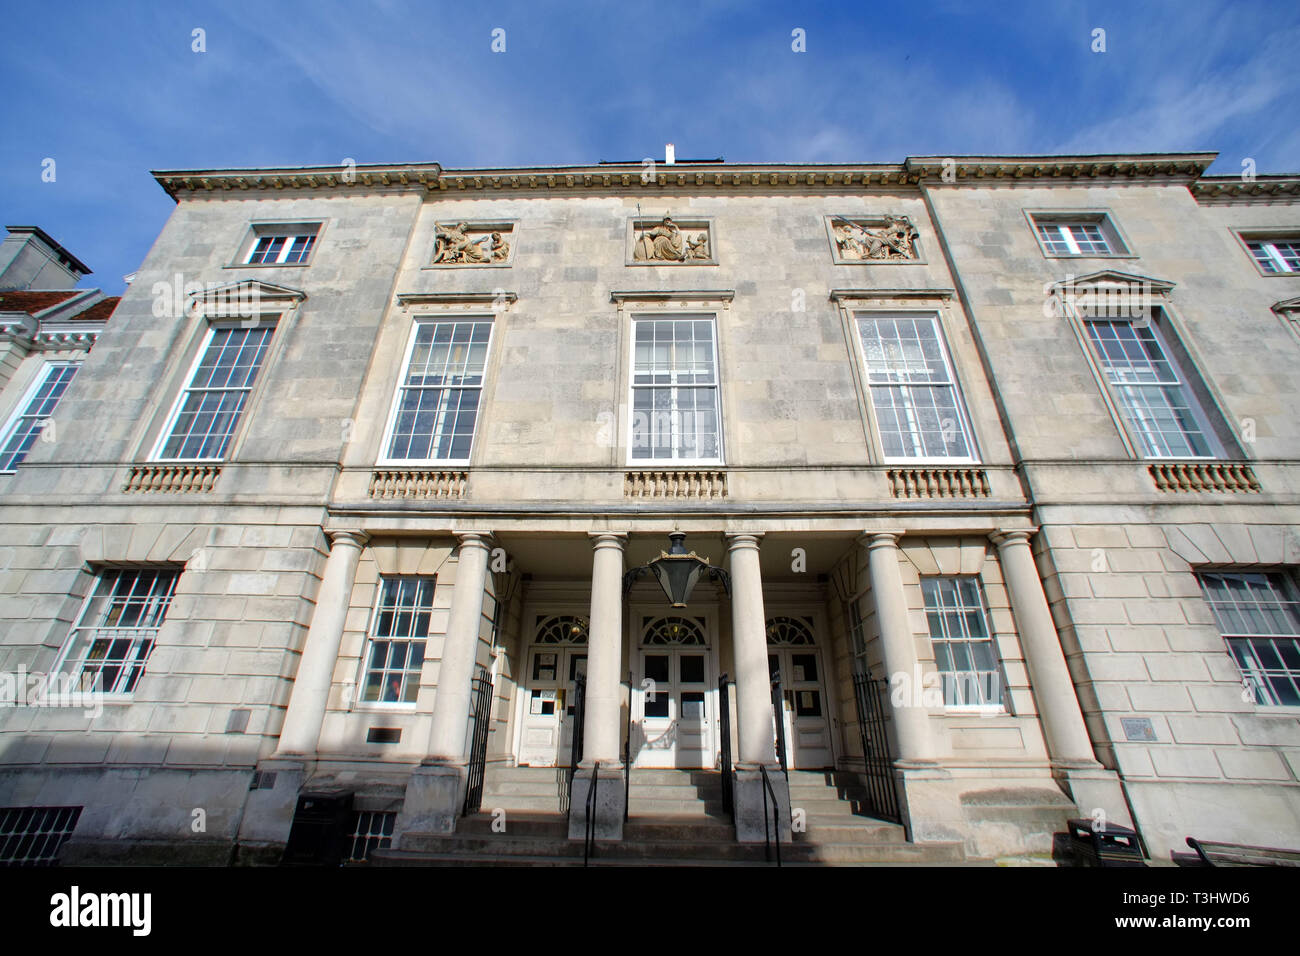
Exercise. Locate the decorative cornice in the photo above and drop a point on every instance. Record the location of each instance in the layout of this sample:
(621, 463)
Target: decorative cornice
(1234, 188)
(1184, 168)
(63, 337)
(16, 325)
(454, 298)
(858, 295)
(673, 296)
(1288, 307)
(389, 176)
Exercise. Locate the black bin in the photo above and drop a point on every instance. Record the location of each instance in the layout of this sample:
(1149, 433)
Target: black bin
(320, 829)
(1111, 845)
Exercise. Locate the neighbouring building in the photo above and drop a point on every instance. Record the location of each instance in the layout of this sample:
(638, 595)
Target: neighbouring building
(994, 462)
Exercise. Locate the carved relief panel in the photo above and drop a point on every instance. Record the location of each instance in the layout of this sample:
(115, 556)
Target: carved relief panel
(668, 241)
(473, 244)
(873, 240)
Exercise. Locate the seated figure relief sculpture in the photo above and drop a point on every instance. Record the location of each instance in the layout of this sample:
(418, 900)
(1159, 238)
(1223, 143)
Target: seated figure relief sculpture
(896, 240)
(667, 243)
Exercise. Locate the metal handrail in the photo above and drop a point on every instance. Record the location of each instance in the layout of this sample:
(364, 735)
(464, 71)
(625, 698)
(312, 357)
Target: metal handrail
(776, 819)
(627, 751)
(724, 755)
(778, 717)
(591, 814)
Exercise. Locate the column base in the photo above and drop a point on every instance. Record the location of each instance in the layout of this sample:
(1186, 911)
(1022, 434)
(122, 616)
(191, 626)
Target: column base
(268, 811)
(435, 796)
(753, 805)
(609, 806)
(1096, 789)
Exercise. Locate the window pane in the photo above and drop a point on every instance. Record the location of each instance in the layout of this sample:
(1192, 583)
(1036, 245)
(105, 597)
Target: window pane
(438, 402)
(1155, 404)
(1260, 619)
(675, 413)
(964, 651)
(397, 640)
(111, 643)
(26, 428)
(212, 404)
(912, 390)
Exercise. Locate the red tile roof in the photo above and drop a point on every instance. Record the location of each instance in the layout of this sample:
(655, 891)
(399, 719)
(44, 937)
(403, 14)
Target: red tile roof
(100, 311)
(33, 302)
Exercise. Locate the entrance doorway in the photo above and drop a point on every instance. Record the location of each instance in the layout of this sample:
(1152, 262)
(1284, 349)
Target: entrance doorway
(555, 660)
(794, 659)
(675, 700)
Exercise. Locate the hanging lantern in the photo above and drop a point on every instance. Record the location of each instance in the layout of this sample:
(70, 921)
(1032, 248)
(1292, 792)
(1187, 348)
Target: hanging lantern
(678, 571)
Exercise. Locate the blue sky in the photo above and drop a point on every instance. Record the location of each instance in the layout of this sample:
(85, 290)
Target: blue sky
(111, 90)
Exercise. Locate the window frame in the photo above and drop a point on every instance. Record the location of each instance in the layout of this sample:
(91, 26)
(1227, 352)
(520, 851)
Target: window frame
(710, 316)
(1002, 705)
(288, 228)
(59, 672)
(856, 312)
(10, 429)
(1287, 594)
(383, 459)
(266, 320)
(359, 703)
(1218, 450)
(1245, 236)
(1118, 246)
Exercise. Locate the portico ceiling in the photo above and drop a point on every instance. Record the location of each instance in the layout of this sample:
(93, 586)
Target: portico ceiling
(568, 556)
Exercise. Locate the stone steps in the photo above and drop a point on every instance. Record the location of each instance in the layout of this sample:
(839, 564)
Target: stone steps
(675, 819)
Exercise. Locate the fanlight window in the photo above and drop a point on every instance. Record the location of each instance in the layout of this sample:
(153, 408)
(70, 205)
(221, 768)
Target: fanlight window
(789, 631)
(673, 630)
(562, 629)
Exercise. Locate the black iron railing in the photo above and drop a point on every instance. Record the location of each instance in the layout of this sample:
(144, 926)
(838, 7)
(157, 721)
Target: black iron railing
(590, 839)
(479, 744)
(575, 743)
(627, 751)
(778, 715)
(878, 763)
(776, 819)
(724, 727)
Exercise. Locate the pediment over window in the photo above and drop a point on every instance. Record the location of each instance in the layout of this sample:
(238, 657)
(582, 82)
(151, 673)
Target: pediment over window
(1289, 307)
(1110, 278)
(246, 297)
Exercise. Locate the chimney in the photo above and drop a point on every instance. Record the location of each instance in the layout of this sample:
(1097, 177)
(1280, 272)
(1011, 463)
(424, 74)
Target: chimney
(670, 154)
(30, 259)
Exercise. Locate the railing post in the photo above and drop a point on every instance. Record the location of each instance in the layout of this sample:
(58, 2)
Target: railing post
(724, 727)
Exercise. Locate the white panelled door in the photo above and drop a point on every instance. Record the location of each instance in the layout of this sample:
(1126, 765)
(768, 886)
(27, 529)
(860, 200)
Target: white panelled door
(793, 657)
(554, 663)
(675, 699)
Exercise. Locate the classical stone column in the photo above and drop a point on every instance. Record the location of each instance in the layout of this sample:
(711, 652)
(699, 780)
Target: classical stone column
(755, 717)
(911, 721)
(311, 686)
(451, 704)
(600, 734)
(435, 790)
(749, 647)
(1067, 738)
(601, 729)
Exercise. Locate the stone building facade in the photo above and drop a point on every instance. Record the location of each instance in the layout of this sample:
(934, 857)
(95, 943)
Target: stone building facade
(1008, 442)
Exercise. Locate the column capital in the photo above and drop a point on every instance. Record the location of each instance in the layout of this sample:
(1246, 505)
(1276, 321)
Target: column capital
(474, 539)
(1011, 537)
(608, 539)
(743, 539)
(880, 539)
(348, 538)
